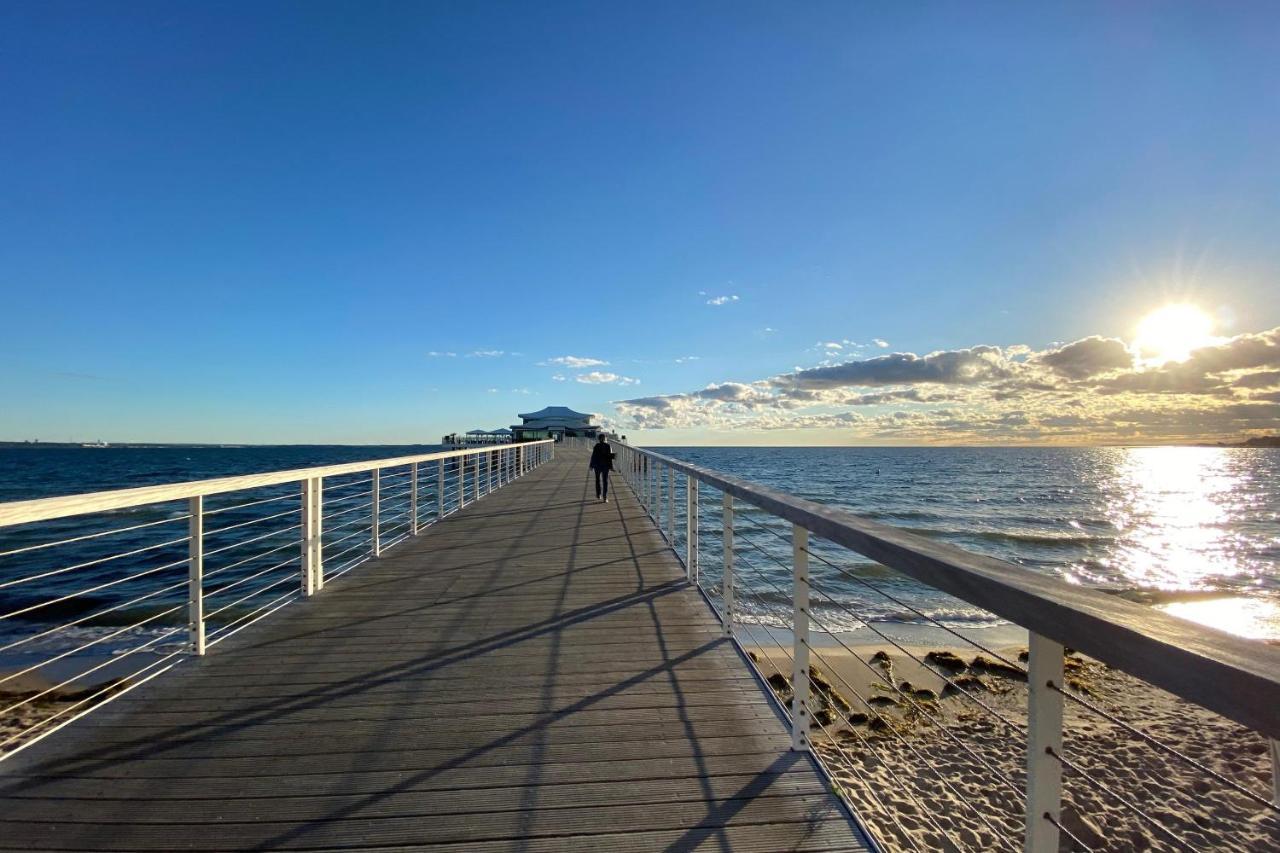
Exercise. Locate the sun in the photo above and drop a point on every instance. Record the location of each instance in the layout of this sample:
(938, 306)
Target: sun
(1172, 332)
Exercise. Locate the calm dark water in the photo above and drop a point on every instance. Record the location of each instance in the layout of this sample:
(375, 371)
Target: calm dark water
(93, 601)
(27, 473)
(1196, 530)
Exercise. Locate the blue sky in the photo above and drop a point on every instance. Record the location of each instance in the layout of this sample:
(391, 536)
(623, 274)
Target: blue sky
(255, 222)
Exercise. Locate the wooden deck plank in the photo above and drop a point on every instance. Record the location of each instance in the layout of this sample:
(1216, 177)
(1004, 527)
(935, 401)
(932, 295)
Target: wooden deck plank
(531, 673)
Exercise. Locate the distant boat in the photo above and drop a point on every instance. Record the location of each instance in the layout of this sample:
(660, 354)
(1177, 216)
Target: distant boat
(98, 443)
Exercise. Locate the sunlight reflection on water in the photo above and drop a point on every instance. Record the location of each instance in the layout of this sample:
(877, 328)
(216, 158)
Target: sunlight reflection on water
(1195, 530)
(1178, 512)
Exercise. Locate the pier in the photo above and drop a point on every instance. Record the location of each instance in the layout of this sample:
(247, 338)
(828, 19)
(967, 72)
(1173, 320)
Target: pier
(464, 650)
(533, 671)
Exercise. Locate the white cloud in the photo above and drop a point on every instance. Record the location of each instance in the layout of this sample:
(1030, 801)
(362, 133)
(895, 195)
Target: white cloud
(558, 378)
(486, 353)
(1082, 391)
(686, 358)
(599, 377)
(575, 362)
(435, 354)
(880, 342)
(721, 300)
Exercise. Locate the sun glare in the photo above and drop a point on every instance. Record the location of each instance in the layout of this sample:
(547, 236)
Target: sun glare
(1172, 332)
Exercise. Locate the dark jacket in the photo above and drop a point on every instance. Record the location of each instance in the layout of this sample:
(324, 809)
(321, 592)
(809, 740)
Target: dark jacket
(602, 457)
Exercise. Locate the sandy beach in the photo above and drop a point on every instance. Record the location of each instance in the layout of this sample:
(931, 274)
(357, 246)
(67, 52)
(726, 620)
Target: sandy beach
(21, 724)
(929, 768)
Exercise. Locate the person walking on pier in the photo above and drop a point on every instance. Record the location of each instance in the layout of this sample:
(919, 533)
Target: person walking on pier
(602, 464)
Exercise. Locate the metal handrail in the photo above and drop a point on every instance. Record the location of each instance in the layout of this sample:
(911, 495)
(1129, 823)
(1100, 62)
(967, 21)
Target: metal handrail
(1235, 677)
(47, 509)
(1238, 679)
(391, 511)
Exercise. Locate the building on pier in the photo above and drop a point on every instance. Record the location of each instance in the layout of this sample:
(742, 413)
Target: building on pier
(555, 422)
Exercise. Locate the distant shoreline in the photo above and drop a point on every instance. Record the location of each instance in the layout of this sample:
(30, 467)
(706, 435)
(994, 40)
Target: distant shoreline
(154, 445)
(1263, 441)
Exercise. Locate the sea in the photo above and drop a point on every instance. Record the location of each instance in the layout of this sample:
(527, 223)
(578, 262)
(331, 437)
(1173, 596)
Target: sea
(1192, 530)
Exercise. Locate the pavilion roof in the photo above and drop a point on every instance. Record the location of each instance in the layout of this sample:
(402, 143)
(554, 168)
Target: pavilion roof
(555, 412)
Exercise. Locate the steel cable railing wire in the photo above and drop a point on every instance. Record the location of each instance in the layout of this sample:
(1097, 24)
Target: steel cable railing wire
(1136, 810)
(924, 810)
(333, 484)
(113, 659)
(49, 632)
(238, 563)
(990, 711)
(931, 620)
(1120, 798)
(90, 563)
(363, 533)
(871, 789)
(82, 647)
(361, 528)
(214, 593)
(407, 497)
(1079, 700)
(1164, 747)
(292, 496)
(215, 531)
(213, 551)
(115, 531)
(136, 680)
(1021, 794)
(366, 508)
(341, 570)
(218, 635)
(889, 724)
(98, 588)
(809, 550)
(936, 670)
(345, 499)
(289, 578)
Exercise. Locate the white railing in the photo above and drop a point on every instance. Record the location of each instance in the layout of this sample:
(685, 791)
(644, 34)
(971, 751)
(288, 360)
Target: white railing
(91, 607)
(780, 556)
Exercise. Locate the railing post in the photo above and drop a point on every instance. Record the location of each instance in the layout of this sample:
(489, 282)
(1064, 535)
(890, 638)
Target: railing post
(308, 551)
(643, 477)
(312, 544)
(1044, 741)
(800, 638)
(651, 481)
(195, 574)
(377, 533)
(413, 499)
(671, 506)
(462, 480)
(691, 527)
(726, 593)
(475, 461)
(317, 509)
(439, 489)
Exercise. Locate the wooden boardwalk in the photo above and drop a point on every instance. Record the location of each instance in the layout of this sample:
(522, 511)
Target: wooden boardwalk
(532, 673)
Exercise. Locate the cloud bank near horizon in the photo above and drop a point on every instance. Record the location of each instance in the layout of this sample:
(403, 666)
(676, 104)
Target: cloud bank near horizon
(1092, 389)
